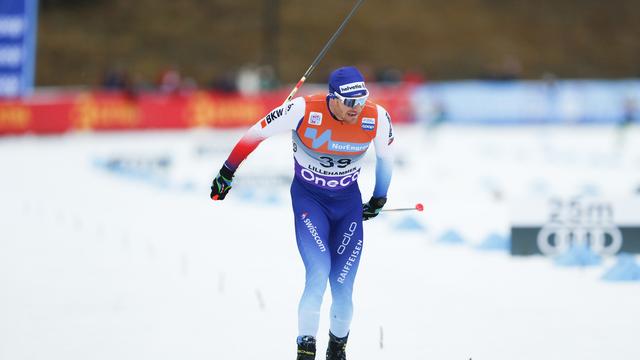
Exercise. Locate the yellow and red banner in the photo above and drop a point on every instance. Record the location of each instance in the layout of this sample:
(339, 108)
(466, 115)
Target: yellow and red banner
(106, 111)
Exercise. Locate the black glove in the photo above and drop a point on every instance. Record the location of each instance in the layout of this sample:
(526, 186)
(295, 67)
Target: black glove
(373, 207)
(221, 184)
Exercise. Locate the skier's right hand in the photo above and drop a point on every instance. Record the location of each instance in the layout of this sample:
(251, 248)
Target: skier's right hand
(221, 184)
(372, 208)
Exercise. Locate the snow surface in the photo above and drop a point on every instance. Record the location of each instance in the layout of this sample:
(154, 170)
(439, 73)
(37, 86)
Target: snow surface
(111, 249)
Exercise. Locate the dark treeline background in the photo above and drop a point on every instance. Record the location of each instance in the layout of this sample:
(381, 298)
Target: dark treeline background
(442, 39)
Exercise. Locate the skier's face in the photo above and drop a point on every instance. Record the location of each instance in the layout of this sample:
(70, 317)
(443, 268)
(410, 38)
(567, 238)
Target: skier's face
(345, 113)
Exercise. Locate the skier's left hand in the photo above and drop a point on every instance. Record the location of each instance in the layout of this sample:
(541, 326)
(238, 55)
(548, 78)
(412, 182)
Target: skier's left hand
(372, 208)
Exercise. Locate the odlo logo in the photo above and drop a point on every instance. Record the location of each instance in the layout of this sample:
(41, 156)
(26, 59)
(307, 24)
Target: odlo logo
(346, 238)
(314, 232)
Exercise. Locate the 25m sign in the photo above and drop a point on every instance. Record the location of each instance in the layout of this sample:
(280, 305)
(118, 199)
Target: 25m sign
(550, 227)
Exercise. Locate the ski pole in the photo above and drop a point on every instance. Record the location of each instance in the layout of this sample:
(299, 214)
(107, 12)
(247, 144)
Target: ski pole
(324, 51)
(418, 207)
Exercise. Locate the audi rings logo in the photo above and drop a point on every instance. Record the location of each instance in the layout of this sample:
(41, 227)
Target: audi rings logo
(579, 222)
(554, 239)
(557, 225)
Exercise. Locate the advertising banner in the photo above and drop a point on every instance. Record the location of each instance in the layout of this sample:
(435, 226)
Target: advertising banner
(529, 102)
(18, 25)
(550, 227)
(99, 111)
(117, 111)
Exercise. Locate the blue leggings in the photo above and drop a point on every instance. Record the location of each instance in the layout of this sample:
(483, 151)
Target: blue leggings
(329, 235)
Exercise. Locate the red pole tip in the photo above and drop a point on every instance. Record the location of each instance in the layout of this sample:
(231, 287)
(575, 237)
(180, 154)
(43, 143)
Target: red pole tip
(419, 207)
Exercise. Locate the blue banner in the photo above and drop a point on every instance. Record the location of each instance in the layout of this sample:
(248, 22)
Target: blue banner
(529, 102)
(18, 26)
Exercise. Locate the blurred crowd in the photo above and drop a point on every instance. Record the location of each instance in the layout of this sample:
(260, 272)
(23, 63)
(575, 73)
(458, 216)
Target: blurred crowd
(252, 79)
(247, 80)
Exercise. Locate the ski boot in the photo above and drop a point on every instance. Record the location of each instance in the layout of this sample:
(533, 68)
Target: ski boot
(337, 347)
(306, 348)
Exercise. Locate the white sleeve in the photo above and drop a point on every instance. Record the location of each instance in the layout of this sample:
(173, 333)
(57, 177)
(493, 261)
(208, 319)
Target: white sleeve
(284, 117)
(384, 153)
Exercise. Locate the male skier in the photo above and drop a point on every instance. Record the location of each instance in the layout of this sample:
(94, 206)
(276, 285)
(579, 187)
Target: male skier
(331, 134)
